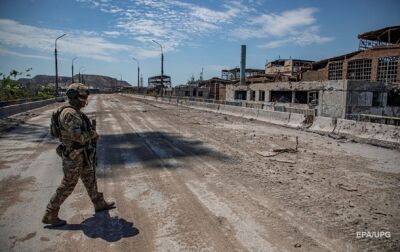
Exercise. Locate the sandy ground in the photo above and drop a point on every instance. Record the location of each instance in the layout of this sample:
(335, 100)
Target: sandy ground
(188, 180)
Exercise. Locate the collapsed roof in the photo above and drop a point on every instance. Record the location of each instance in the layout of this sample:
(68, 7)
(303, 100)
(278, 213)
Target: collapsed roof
(387, 35)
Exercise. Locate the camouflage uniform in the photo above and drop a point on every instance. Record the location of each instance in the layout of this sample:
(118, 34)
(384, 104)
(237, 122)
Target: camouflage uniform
(76, 137)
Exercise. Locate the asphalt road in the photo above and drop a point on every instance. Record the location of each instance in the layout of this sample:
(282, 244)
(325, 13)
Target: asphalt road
(187, 180)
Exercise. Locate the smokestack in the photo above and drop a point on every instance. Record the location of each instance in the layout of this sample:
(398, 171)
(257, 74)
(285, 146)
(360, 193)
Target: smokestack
(243, 65)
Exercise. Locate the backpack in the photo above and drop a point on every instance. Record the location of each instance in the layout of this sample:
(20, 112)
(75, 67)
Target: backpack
(55, 127)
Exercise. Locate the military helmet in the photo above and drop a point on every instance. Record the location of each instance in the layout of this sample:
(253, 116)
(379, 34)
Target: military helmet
(77, 91)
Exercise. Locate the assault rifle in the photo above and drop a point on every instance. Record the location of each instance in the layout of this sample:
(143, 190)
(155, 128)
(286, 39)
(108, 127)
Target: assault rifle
(90, 152)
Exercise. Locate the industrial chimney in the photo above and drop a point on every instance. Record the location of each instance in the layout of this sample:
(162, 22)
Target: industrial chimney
(243, 65)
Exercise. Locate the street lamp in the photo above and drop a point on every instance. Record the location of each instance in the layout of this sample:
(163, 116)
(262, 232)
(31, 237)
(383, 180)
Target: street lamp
(81, 77)
(56, 63)
(138, 73)
(72, 70)
(162, 65)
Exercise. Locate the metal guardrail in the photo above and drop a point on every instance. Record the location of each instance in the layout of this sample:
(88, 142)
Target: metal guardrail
(257, 105)
(20, 101)
(375, 119)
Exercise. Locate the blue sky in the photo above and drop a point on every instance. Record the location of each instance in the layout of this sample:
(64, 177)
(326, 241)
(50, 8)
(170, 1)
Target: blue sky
(105, 34)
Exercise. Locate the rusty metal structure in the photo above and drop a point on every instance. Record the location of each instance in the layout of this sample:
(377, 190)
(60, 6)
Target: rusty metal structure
(383, 37)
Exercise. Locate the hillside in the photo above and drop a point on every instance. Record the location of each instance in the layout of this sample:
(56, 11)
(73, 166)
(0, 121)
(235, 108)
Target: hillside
(94, 81)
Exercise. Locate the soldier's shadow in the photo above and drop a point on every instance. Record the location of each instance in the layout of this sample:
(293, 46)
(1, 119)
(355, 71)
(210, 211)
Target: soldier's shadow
(103, 226)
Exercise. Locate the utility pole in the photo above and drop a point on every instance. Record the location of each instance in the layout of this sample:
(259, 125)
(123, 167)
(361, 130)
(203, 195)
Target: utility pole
(81, 76)
(56, 63)
(72, 70)
(138, 73)
(162, 66)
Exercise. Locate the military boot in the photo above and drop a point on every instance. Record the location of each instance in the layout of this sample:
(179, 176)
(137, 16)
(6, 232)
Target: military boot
(103, 205)
(51, 218)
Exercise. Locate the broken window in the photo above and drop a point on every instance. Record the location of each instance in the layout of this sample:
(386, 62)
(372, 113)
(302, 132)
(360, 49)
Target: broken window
(335, 70)
(313, 98)
(200, 94)
(376, 99)
(300, 97)
(281, 96)
(194, 92)
(240, 95)
(387, 69)
(252, 95)
(187, 93)
(359, 69)
(261, 96)
(393, 98)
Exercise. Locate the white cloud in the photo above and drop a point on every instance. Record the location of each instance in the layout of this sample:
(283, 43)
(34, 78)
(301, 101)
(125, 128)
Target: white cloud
(113, 34)
(82, 43)
(8, 52)
(285, 23)
(171, 22)
(296, 26)
(175, 23)
(301, 38)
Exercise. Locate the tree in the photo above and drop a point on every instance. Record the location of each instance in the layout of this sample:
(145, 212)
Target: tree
(10, 89)
(46, 92)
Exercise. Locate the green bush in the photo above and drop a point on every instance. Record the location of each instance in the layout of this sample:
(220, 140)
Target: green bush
(10, 89)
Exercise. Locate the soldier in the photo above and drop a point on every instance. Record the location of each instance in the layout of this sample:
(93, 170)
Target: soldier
(77, 150)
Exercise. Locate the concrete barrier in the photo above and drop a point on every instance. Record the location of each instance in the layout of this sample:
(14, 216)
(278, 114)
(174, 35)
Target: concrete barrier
(374, 133)
(274, 117)
(197, 104)
(296, 120)
(231, 110)
(205, 106)
(187, 103)
(212, 106)
(323, 125)
(19, 108)
(250, 113)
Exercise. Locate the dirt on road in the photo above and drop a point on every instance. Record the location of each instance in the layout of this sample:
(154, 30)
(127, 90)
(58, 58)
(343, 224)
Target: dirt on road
(187, 180)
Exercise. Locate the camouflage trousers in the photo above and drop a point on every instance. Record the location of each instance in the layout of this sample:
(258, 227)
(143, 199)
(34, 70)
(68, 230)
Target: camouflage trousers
(73, 170)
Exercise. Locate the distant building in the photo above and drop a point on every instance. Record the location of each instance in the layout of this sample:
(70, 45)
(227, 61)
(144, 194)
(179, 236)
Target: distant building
(213, 88)
(234, 73)
(378, 38)
(376, 60)
(361, 83)
(154, 82)
(288, 67)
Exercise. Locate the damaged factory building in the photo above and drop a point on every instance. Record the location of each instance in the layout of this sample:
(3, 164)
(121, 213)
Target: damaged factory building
(361, 83)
